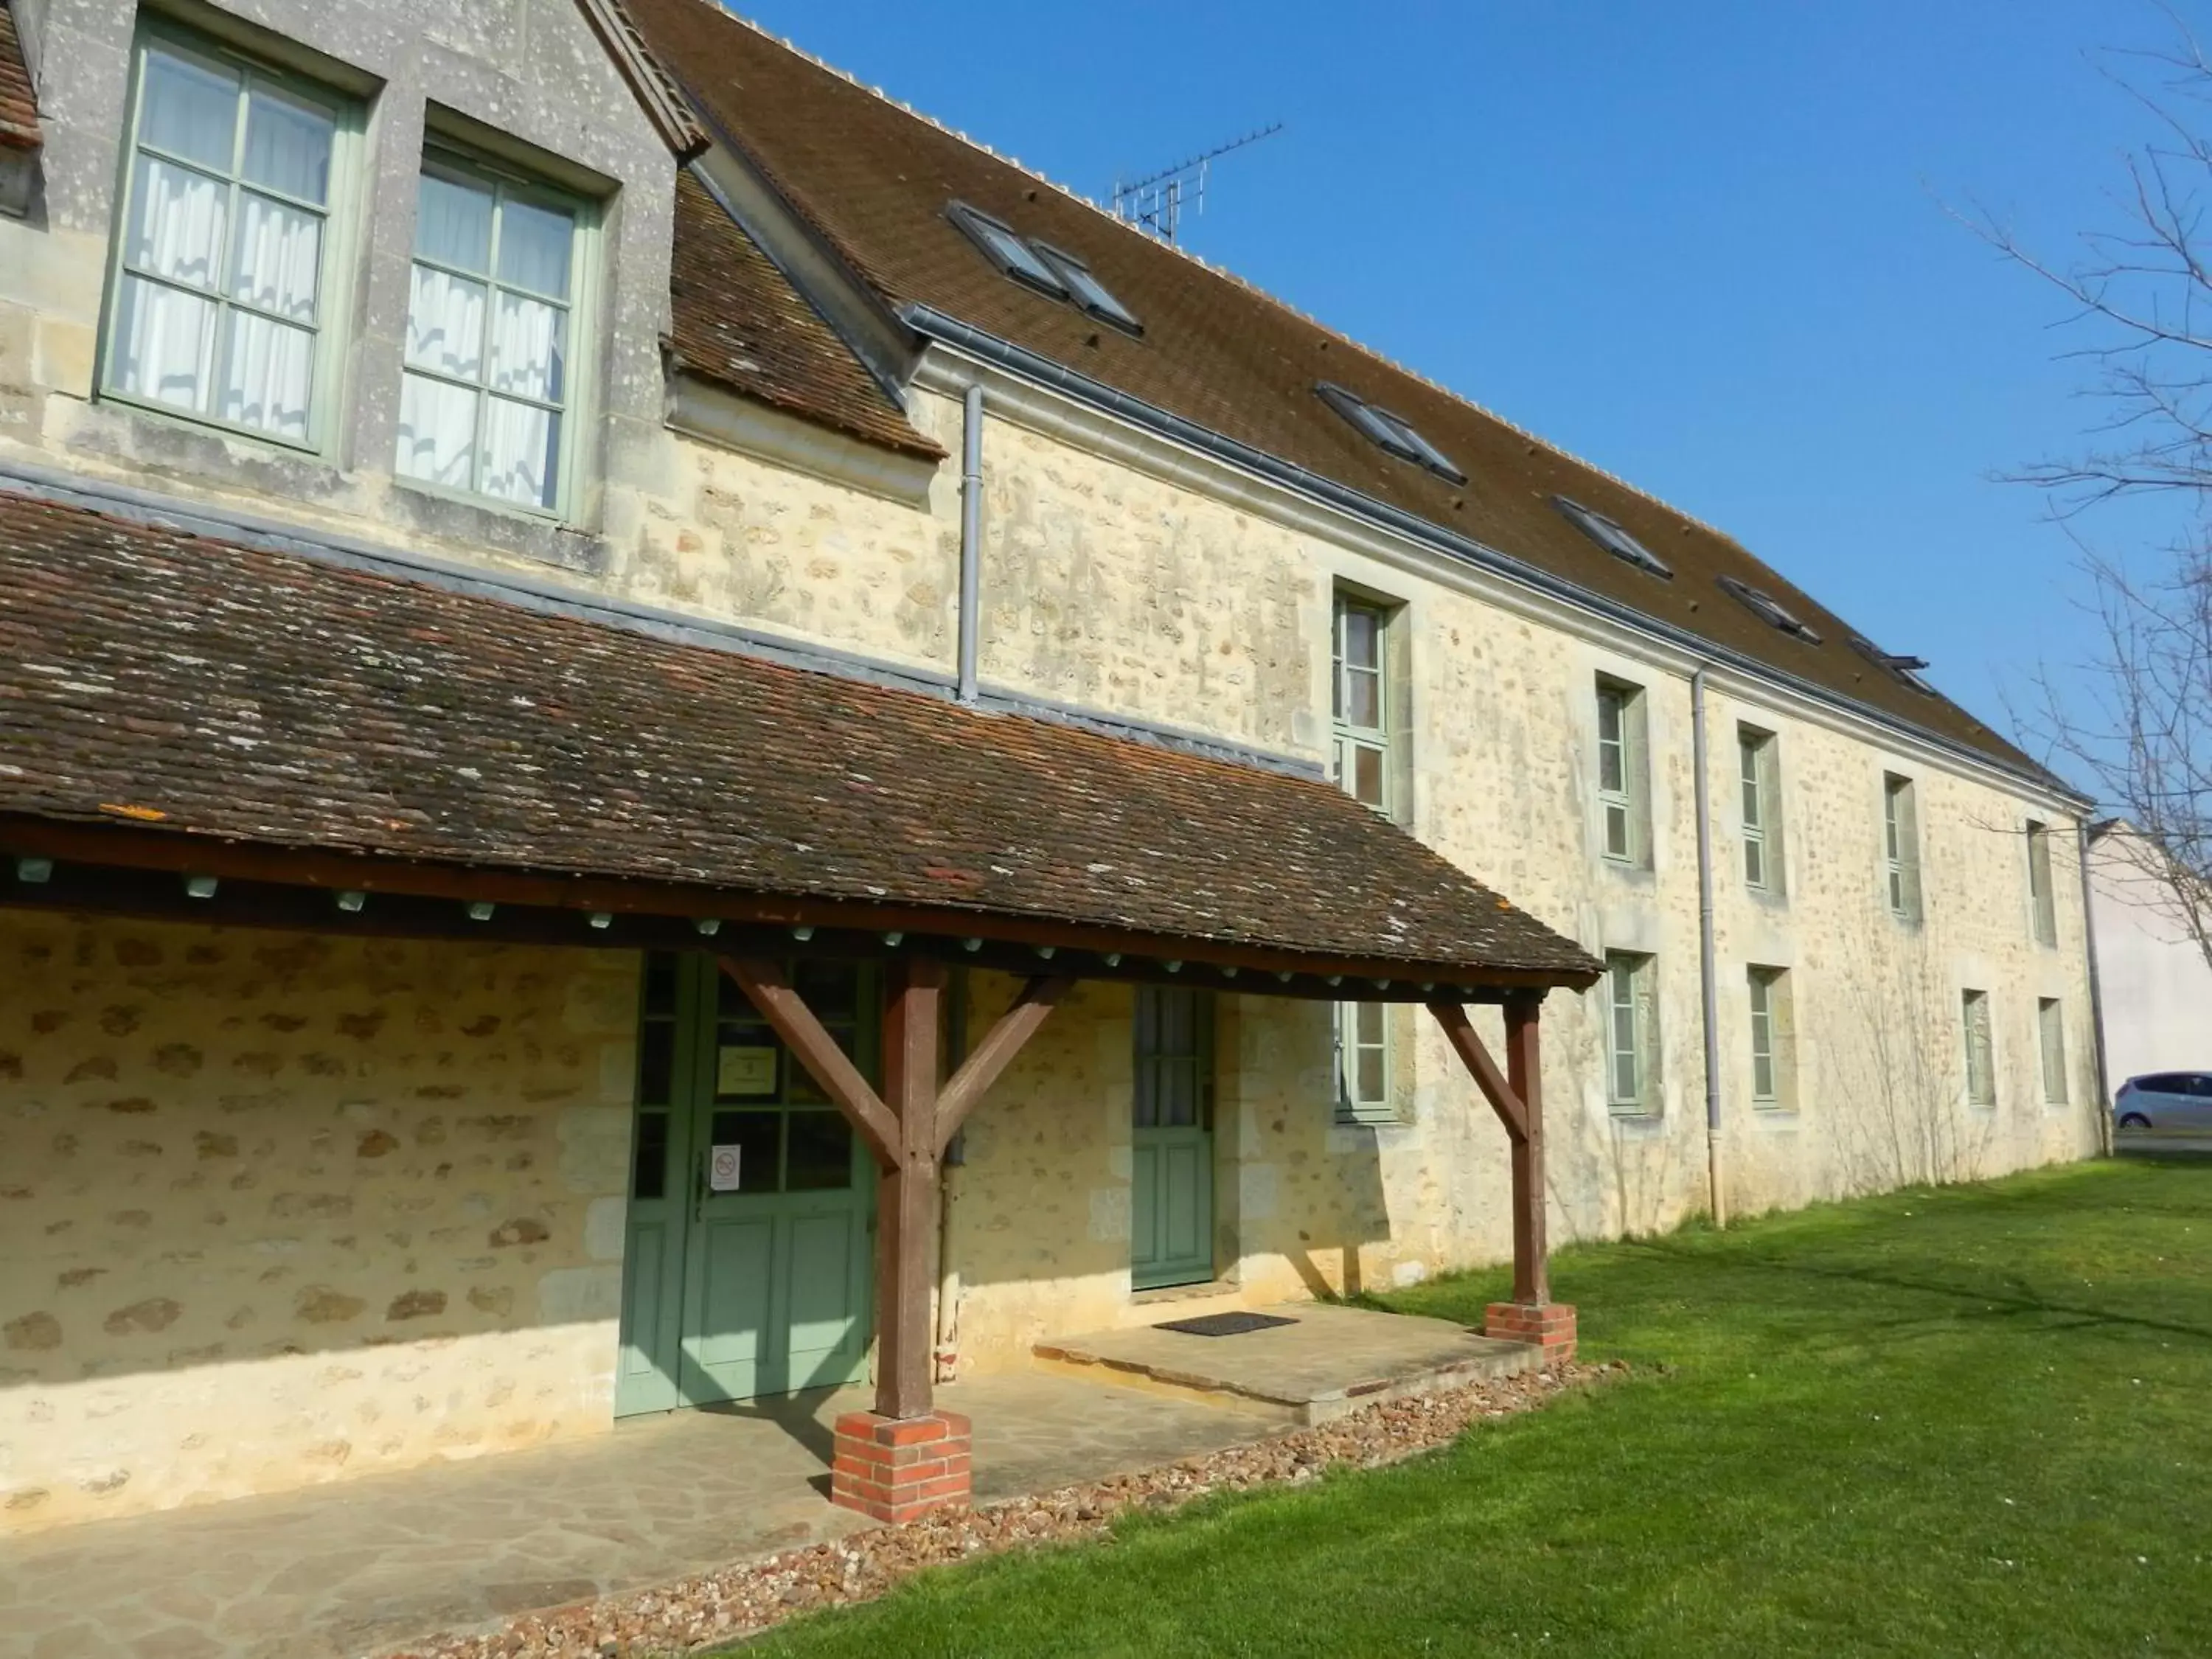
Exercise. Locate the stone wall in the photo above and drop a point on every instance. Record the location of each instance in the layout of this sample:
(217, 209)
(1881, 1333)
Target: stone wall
(275, 1208)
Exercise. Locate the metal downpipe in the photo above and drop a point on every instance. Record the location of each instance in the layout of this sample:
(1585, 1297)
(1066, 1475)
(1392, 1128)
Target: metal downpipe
(1707, 969)
(971, 538)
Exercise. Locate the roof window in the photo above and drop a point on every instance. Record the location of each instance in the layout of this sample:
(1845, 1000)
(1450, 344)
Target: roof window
(1906, 668)
(1085, 289)
(1388, 431)
(1766, 605)
(1042, 267)
(1611, 537)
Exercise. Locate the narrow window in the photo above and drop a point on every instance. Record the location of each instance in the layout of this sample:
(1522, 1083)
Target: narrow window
(1772, 1038)
(1632, 1033)
(1363, 1063)
(2050, 1030)
(1901, 846)
(1623, 780)
(484, 405)
(1981, 1061)
(219, 304)
(2040, 898)
(1762, 813)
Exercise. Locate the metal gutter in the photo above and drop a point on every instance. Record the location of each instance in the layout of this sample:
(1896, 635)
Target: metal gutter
(971, 538)
(934, 325)
(1708, 968)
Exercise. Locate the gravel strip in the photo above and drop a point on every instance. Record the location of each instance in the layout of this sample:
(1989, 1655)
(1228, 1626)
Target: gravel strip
(707, 1608)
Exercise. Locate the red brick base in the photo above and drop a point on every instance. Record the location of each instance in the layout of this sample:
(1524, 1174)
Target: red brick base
(1549, 1325)
(895, 1468)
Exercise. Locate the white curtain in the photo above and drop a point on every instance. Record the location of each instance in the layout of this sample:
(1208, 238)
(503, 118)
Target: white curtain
(176, 230)
(288, 146)
(445, 324)
(268, 370)
(437, 432)
(520, 444)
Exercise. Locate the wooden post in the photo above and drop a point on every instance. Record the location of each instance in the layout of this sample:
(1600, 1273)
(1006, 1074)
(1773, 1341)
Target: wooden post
(908, 1197)
(1524, 1077)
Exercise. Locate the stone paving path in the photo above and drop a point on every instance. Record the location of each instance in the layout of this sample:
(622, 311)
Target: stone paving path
(341, 1570)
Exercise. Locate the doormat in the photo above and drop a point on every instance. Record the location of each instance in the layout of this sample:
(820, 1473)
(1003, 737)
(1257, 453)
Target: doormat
(1224, 1324)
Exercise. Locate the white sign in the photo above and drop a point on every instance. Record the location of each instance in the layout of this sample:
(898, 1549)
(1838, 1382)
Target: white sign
(722, 1168)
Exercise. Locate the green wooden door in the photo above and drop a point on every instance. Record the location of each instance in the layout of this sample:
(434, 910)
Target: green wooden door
(752, 1203)
(1171, 1140)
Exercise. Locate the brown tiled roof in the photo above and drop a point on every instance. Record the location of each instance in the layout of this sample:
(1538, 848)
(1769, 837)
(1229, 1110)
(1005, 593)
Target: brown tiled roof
(227, 690)
(19, 105)
(736, 321)
(874, 178)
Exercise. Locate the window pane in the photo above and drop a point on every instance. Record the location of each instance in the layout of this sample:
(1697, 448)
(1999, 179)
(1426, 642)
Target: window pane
(453, 222)
(528, 346)
(1762, 1075)
(437, 432)
(164, 340)
(445, 324)
(1609, 717)
(758, 1137)
(1616, 831)
(287, 145)
(832, 990)
(649, 1162)
(1362, 699)
(1367, 776)
(660, 983)
(267, 371)
(176, 219)
(190, 109)
(820, 1156)
(1754, 862)
(1370, 1022)
(656, 1062)
(278, 257)
(1363, 639)
(522, 453)
(534, 245)
(1370, 1084)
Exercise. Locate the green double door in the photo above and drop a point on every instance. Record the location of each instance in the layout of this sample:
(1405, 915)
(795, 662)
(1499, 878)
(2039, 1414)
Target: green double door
(1171, 1140)
(748, 1266)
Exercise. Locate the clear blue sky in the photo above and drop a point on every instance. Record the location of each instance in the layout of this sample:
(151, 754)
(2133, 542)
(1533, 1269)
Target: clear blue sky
(1703, 246)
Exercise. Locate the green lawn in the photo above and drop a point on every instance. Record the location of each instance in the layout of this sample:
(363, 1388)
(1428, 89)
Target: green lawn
(1971, 1420)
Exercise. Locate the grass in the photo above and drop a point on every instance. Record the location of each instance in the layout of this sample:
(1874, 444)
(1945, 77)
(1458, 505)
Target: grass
(1969, 1420)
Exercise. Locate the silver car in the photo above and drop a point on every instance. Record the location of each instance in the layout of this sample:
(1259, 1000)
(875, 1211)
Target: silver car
(2165, 1100)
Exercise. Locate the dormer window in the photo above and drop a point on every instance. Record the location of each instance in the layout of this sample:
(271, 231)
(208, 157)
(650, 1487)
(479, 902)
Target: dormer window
(1048, 270)
(1608, 535)
(1765, 606)
(1906, 668)
(1392, 433)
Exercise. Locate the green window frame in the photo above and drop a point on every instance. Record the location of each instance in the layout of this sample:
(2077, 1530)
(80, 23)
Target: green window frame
(1758, 757)
(211, 224)
(482, 281)
(2042, 896)
(1624, 778)
(1981, 1053)
(1900, 821)
(1772, 1040)
(1631, 1016)
(2050, 1034)
(1364, 1067)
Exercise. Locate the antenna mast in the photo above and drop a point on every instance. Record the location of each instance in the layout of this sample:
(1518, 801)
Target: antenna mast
(1156, 202)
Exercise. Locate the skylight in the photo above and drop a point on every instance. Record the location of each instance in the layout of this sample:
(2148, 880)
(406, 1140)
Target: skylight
(1391, 432)
(1766, 605)
(1087, 291)
(1906, 668)
(1042, 267)
(1611, 537)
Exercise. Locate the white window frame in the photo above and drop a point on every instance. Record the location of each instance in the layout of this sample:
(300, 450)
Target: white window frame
(1759, 791)
(1975, 1029)
(1773, 1039)
(1625, 802)
(1353, 1105)
(338, 215)
(2050, 1041)
(445, 152)
(2042, 894)
(1631, 1003)
(1900, 818)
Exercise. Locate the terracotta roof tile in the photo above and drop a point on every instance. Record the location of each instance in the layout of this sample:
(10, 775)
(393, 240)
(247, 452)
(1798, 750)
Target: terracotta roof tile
(737, 322)
(19, 104)
(274, 698)
(875, 179)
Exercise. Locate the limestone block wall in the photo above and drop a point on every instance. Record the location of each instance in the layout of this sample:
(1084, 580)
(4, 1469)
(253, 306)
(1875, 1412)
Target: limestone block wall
(275, 1207)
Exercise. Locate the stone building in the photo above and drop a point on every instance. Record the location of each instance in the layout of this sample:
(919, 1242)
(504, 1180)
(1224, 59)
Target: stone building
(577, 589)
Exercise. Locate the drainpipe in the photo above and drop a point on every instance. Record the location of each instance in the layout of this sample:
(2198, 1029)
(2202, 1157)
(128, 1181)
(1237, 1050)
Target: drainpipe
(2096, 1000)
(971, 536)
(1707, 969)
(947, 1352)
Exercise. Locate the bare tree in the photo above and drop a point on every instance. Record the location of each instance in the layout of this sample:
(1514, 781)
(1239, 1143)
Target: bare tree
(2135, 722)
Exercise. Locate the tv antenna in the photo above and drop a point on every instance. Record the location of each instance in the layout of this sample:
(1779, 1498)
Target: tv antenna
(1156, 202)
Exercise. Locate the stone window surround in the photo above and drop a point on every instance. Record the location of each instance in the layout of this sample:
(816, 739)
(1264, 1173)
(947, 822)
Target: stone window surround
(355, 51)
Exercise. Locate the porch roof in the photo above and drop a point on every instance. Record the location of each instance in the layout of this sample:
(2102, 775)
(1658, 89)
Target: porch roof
(202, 694)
